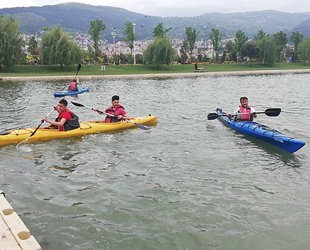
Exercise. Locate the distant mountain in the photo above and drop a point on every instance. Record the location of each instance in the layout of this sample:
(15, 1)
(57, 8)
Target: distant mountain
(76, 17)
(303, 28)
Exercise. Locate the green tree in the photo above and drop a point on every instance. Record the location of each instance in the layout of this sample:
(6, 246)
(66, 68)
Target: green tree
(58, 48)
(268, 50)
(215, 37)
(260, 35)
(304, 50)
(249, 49)
(130, 35)
(191, 36)
(184, 50)
(296, 38)
(10, 42)
(160, 51)
(240, 39)
(94, 31)
(32, 44)
(159, 31)
(281, 42)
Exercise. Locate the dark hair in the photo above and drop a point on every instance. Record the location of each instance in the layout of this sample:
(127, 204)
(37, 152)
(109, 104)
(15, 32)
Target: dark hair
(115, 97)
(243, 98)
(64, 102)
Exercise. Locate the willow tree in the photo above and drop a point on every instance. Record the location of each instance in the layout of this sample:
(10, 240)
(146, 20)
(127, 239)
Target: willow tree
(58, 48)
(160, 51)
(296, 38)
(191, 36)
(10, 42)
(304, 50)
(268, 50)
(95, 27)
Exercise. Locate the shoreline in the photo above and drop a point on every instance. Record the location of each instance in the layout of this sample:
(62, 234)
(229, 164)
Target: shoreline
(164, 75)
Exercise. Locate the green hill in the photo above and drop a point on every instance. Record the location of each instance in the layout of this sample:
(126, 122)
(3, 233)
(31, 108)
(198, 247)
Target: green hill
(75, 17)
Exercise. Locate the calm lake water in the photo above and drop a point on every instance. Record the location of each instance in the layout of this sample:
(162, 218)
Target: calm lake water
(188, 183)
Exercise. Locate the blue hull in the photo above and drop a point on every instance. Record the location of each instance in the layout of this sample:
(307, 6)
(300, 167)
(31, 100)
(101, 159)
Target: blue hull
(263, 133)
(80, 91)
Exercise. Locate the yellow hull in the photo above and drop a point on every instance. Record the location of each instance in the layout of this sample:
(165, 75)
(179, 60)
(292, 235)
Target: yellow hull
(91, 127)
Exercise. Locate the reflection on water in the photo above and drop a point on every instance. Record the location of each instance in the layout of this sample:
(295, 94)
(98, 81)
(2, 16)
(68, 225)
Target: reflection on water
(188, 183)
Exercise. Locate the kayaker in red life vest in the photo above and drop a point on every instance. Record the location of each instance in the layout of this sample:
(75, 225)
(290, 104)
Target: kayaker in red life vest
(66, 119)
(73, 85)
(116, 110)
(244, 108)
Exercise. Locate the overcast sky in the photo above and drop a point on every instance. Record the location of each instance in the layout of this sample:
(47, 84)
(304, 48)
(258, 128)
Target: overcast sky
(164, 8)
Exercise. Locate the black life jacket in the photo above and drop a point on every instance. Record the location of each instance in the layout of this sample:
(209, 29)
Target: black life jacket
(73, 123)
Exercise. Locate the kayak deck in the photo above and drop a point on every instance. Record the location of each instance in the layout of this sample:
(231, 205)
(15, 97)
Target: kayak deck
(263, 133)
(89, 127)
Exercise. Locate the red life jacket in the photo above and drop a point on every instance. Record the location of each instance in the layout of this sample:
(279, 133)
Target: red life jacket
(245, 110)
(72, 86)
(110, 119)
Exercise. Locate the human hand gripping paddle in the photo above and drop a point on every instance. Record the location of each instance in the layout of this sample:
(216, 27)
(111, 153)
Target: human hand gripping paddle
(102, 112)
(268, 112)
(32, 134)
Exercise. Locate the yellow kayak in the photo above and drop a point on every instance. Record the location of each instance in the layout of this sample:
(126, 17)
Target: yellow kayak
(91, 127)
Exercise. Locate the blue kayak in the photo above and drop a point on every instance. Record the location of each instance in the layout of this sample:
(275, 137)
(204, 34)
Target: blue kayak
(80, 91)
(263, 133)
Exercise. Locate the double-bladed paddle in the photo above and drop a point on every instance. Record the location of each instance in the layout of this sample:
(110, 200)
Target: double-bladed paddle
(115, 116)
(32, 134)
(78, 69)
(268, 112)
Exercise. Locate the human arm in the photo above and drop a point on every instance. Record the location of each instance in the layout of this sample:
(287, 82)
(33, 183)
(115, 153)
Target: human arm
(60, 123)
(98, 111)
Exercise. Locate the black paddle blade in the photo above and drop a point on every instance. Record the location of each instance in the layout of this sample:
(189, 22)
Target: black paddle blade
(77, 104)
(273, 112)
(79, 67)
(212, 116)
(142, 126)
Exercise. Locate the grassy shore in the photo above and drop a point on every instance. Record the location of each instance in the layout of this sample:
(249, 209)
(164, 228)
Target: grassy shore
(95, 70)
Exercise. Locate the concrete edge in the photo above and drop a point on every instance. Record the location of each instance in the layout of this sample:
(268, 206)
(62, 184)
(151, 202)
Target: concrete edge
(165, 75)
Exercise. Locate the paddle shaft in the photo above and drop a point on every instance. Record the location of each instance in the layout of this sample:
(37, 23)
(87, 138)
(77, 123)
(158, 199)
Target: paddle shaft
(42, 121)
(111, 115)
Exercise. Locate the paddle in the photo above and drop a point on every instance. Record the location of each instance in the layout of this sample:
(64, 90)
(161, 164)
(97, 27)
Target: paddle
(137, 124)
(268, 112)
(32, 134)
(78, 69)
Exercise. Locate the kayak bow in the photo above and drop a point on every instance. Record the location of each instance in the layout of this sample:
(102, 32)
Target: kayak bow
(263, 133)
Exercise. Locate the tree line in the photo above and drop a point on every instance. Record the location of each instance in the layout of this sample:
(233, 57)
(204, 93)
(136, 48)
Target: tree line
(58, 47)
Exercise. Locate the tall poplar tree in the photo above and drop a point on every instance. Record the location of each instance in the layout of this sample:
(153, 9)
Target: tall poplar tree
(95, 27)
(191, 36)
(130, 35)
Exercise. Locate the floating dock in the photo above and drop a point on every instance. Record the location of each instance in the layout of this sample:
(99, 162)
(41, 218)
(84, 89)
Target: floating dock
(14, 235)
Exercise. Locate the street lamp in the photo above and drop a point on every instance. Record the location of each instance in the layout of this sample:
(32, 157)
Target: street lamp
(134, 51)
(113, 34)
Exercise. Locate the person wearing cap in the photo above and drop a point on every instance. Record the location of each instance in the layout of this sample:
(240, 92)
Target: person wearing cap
(116, 111)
